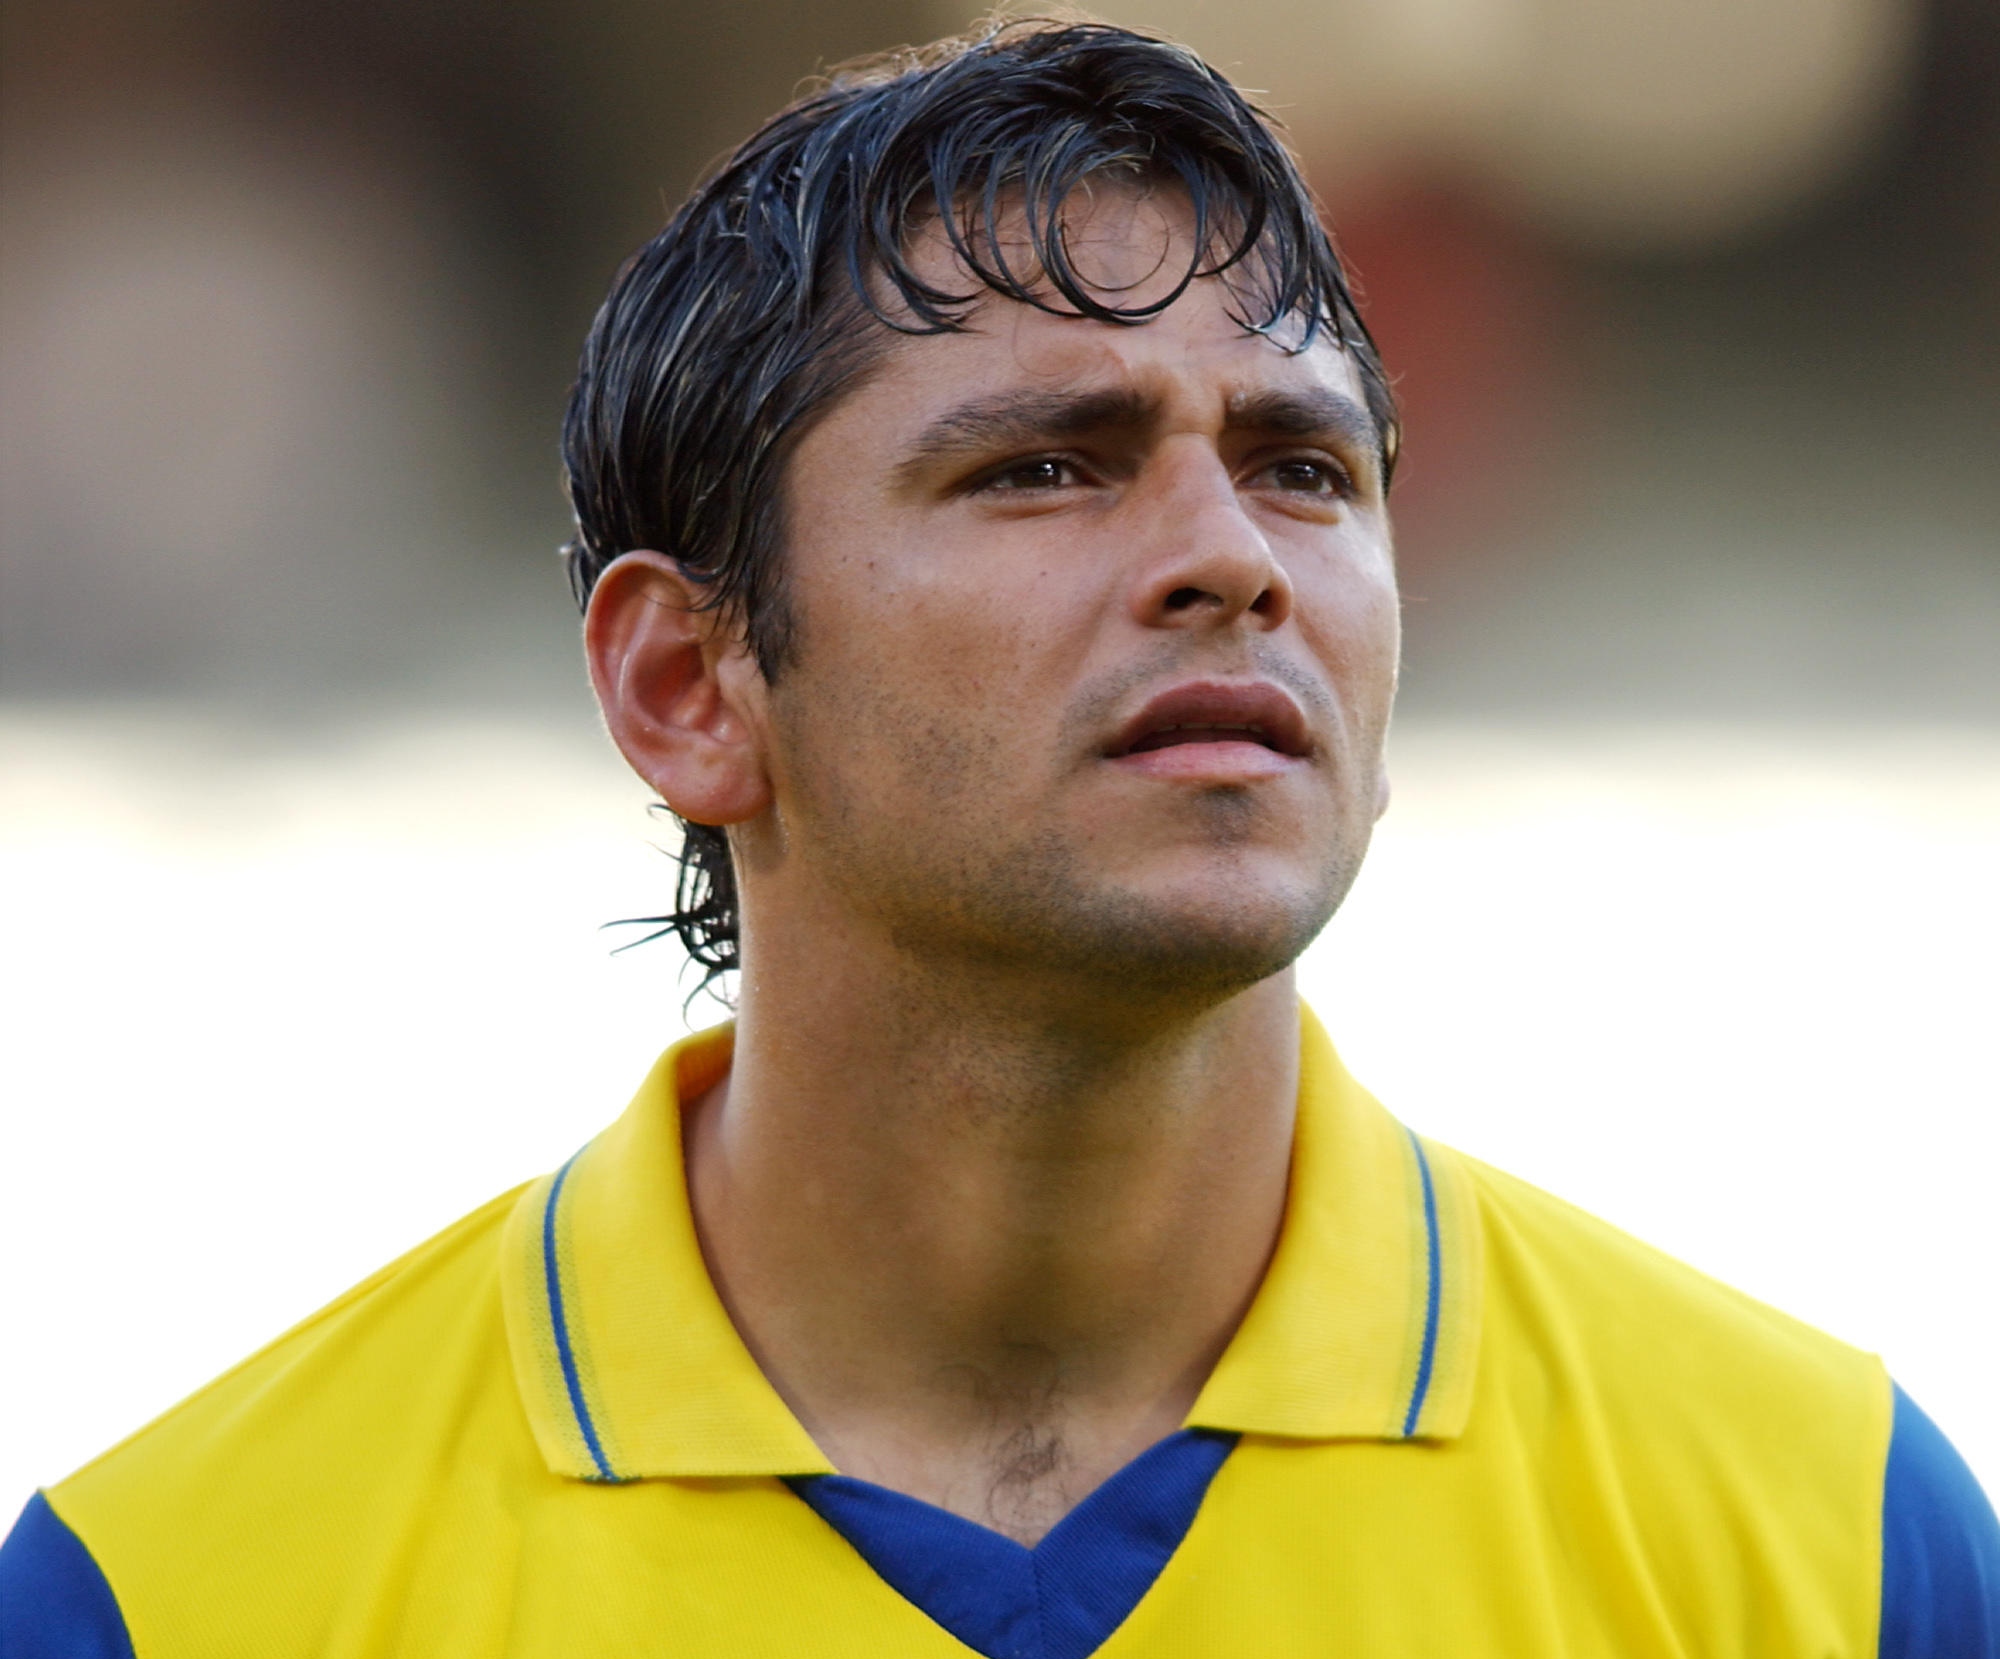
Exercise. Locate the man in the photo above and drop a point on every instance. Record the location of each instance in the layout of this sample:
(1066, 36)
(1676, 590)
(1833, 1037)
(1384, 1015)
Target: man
(980, 491)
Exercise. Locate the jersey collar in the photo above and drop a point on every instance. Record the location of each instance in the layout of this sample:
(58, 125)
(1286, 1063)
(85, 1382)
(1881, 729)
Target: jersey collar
(1366, 1325)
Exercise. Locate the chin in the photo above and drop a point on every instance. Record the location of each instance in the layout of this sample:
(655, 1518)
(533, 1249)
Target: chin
(1207, 944)
(1177, 929)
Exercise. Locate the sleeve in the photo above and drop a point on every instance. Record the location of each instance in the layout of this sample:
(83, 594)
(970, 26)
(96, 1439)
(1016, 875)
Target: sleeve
(54, 1600)
(1940, 1549)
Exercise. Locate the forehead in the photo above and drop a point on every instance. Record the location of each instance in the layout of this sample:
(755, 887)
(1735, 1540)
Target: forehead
(1131, 246)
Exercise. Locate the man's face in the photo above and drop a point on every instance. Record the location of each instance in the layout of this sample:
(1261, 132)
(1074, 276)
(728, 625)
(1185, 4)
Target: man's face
(1096, 634)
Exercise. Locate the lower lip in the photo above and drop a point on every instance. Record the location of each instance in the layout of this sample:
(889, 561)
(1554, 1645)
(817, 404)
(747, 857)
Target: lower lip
(1209, 762)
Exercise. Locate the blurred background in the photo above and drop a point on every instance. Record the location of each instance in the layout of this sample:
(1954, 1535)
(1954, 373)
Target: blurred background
(1687, 908)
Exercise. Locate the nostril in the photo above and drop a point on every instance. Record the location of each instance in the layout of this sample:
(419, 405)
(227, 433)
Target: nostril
(1181, 598)
(1263, 602)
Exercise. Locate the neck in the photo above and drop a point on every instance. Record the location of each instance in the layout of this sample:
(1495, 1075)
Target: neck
(986, 1252)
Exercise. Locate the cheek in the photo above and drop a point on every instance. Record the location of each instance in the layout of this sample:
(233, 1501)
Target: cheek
(1350, 614)
(948, 643)
(904, 707)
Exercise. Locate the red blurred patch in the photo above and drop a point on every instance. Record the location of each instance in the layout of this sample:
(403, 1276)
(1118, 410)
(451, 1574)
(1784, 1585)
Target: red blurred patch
(1473, 316)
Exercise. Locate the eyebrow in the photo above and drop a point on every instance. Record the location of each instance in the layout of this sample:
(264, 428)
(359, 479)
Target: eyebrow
(1027, 417)
(1307, 413)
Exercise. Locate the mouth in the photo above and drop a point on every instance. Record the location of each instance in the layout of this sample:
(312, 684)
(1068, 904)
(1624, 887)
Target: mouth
(1212, 731)
(1226, 718)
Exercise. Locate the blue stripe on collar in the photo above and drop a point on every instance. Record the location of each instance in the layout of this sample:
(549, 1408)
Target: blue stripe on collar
(1433, 1292)
(559, 1327)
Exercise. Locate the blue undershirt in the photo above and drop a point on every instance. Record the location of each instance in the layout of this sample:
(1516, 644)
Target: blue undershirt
(1058, 1600)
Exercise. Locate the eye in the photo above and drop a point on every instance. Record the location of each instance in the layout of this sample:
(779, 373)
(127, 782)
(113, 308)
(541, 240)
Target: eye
(1037, 472)
(1308, 475)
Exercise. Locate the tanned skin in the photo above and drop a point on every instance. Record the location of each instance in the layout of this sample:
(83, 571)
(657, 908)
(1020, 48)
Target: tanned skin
(1003, 1154)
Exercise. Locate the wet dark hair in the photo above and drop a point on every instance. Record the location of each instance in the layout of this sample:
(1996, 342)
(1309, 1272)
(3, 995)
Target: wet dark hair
(783, 278)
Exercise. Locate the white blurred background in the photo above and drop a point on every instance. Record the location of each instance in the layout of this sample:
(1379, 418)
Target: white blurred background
(1687, 906)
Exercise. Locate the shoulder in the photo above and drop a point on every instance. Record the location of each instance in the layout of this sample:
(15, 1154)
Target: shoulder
(1741, 1444)
(1940, 1549)
(1736, 1453)
(393, 1337)
(54, 1600)
(1567, 1284)
(298, 1455)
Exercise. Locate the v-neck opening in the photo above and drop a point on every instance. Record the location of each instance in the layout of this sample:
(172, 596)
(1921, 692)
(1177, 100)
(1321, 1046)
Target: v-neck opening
(1059, 1598)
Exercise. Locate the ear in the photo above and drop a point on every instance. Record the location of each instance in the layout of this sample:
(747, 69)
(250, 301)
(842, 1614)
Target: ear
(681, 693)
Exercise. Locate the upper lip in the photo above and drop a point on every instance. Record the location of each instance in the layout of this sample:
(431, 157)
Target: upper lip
(1264, 713)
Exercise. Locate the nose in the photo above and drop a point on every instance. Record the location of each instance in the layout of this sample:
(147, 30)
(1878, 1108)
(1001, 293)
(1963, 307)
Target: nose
(1207, 562)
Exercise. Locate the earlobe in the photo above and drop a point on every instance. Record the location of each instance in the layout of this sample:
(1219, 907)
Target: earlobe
(677, 689)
